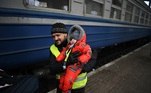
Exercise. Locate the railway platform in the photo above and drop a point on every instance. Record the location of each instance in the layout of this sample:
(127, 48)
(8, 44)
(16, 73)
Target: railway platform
(130, 73)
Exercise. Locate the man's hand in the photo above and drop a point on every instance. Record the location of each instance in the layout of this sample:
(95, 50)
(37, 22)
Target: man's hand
(73, 58)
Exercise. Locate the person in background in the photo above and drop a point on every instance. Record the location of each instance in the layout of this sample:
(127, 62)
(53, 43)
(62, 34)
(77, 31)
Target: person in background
(59, 35)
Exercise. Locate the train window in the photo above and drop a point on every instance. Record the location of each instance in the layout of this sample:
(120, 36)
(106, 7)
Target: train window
(146, 18)
(142, 17)
(129, 10)
(128, 17)
(129, 7)
(150, 20)
(54, 4)
(136, 19)
(137, 13)
(116, 9)
(117, 2)
(94, 8)
(115, 13)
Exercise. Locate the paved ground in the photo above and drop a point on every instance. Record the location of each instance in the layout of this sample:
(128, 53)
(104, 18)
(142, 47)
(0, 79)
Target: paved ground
(129, 74)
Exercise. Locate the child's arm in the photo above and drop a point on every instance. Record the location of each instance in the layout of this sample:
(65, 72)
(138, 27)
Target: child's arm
(62, 55)
(86, 54)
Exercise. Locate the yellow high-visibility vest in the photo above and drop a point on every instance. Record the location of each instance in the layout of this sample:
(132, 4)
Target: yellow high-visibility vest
(81, 79)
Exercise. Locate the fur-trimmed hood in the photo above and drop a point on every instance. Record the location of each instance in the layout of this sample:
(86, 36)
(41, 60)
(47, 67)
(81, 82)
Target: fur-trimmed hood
(82, 35)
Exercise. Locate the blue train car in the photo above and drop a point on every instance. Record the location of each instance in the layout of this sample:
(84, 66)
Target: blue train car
(25, 26)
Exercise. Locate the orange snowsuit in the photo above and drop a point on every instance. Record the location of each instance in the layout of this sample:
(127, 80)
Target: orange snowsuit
(72, 71)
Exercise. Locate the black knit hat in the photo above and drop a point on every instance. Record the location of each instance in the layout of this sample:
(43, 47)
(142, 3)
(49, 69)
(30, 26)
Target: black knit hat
(58, 28)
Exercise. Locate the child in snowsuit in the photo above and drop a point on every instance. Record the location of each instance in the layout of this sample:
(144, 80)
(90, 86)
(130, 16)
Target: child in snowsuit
(77, 43)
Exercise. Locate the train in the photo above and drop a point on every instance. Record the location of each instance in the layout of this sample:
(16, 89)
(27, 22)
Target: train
(25, 26)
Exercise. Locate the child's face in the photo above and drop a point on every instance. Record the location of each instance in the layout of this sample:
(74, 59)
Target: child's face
(75, 35)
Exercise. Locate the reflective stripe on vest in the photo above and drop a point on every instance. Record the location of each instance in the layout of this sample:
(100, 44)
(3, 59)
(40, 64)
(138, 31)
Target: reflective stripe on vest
(67, 55)
(54, 50)
(81, 79)
(80, 82)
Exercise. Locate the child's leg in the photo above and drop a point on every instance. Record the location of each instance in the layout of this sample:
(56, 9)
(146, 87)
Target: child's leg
(71, 75)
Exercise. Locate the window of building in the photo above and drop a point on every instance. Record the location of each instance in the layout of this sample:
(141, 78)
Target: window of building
(117, 2)
(129, 12)
(54, 4)
(94, 8)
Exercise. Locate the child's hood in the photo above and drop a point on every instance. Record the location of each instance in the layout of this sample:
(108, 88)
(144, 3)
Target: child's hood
(82, 34)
